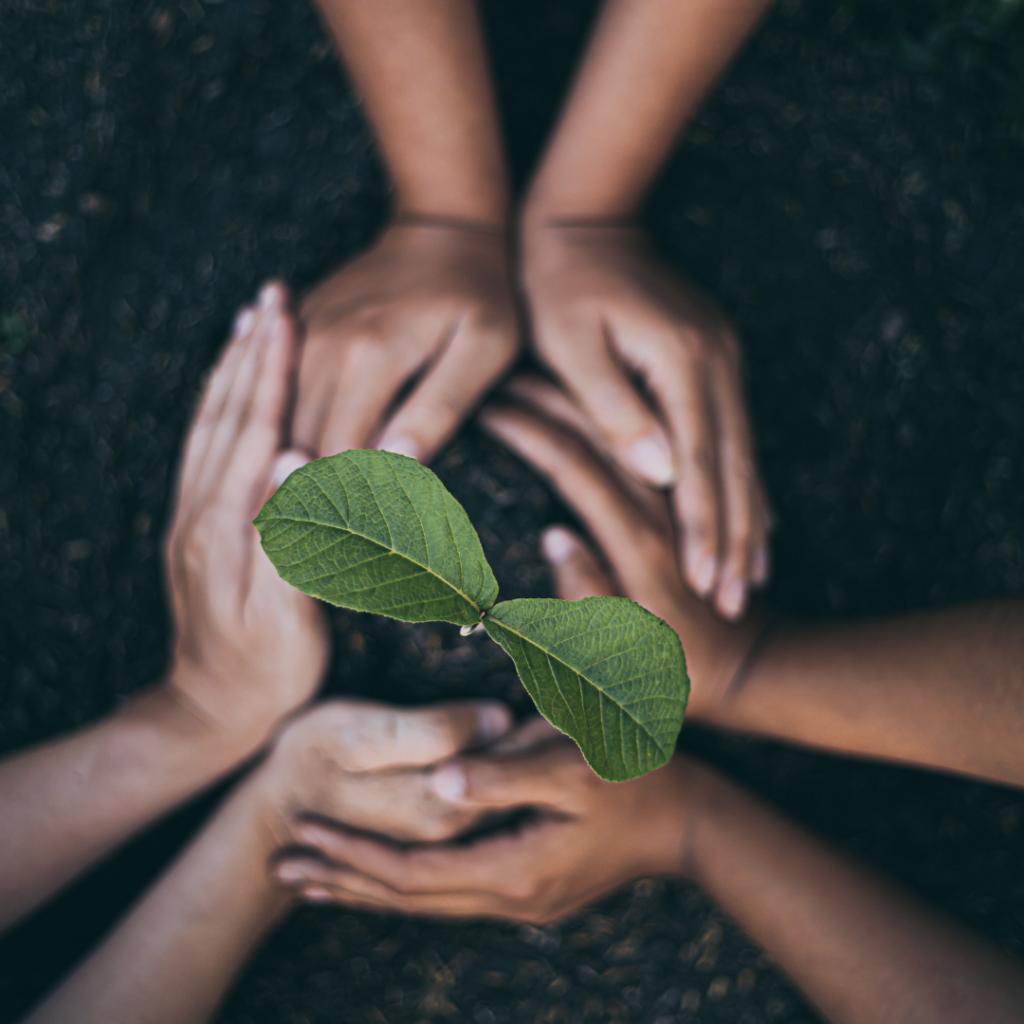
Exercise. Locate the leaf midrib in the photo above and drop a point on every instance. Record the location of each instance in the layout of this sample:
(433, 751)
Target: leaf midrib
(392, 551)
(554, 657)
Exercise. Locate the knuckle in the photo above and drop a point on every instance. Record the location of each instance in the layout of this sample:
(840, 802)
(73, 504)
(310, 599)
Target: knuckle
(698, 458)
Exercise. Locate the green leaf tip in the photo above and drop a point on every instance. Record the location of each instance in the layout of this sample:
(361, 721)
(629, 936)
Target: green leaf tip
(605, 671)
(377, 532)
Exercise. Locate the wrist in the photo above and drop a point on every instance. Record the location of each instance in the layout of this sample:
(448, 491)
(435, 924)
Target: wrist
(714, 800)
(226, 735)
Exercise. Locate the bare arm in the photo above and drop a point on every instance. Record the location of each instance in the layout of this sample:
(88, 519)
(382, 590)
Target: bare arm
(171, 960)
(942, 689)
(862, 951)
(421, 72)
(249, 649)
(65, 805)
(605, 312)
(647, 68)
(431, 302)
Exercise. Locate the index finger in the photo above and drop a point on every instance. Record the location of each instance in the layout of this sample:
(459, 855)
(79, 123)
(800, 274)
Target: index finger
(616, 522)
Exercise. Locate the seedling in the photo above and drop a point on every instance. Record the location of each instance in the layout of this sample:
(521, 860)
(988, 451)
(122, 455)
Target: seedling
(378, 532)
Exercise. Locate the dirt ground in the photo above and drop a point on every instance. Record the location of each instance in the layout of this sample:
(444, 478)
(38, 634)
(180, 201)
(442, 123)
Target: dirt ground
(865, 229)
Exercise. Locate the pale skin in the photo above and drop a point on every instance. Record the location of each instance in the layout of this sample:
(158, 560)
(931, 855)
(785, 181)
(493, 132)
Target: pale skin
(249, 652)
(249, 649)
(651, 361)
(860, 950)
(174, 956)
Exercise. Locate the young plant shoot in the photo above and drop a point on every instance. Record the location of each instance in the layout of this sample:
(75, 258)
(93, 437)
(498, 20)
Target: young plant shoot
(378, 532)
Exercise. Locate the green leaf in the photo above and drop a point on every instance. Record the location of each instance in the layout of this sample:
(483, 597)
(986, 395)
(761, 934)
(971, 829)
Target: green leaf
(378, 532)
(603, 670)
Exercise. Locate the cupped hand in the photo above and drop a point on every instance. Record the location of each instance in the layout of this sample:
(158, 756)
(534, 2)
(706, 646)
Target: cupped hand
(633, 529)
(656, 368)
(249, 649)
(430, 303)
(367, 766)
(583, 838)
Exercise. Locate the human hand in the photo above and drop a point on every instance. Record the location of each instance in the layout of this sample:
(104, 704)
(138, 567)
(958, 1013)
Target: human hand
(433, 300)
(366, 765)
(606, 314)
(584, 838)
(248, 647)
(633, 529)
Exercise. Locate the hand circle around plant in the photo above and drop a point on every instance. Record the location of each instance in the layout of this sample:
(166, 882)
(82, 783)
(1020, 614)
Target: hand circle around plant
(378, 532)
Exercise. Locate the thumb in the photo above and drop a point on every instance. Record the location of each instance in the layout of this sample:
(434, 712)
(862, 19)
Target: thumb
(574, 566)
(422, 736)
(539, 776)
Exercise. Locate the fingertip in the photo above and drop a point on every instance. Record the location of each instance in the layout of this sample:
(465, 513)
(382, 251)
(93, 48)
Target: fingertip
(285, 464)
(732, 596)
(650, 458)
(402, 445)
(701, 570)
(493, 722)
(314, 894)
(244, 323)
(559, 544)
(448, 781)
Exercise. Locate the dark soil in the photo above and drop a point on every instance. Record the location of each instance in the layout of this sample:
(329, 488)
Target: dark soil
(865, 229)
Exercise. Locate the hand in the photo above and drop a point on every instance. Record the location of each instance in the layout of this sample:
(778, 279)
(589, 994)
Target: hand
(605, 314)
(633, 528)
(249, 648)
(429, 300)
(367, 766)
(585, 838)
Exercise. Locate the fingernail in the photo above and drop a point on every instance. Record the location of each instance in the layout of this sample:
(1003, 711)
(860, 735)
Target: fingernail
(557, 544)
(493, 722)
(268, 297)
(651, 459)
(704, 575)
(759, 566)
(402, 446)
(286, 464)
(449, 782)
(244, 323)
(289, 874)
(316, 895)
(732, 597)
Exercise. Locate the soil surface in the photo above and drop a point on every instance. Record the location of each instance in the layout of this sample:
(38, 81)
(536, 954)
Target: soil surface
(863, 226)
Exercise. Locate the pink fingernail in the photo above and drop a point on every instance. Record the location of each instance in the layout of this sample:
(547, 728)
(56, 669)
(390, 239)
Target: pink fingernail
(244, 323)
(268, 297)
(290, 875)
(651, 458)
(493, 722)
(704, 574)
(449, 782)
(316, 895)
(557, 544)
(402, 446)
(286, 464)
(733, 596)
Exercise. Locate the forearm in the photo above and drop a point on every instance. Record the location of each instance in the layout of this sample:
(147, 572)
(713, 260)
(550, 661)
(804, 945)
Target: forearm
(862, 951)
(171, 960)
(647, 68)
(66, 804)
(943, 689)
(422, 74)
